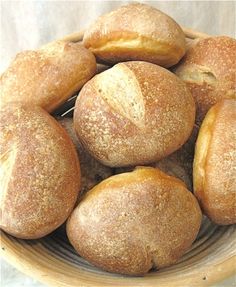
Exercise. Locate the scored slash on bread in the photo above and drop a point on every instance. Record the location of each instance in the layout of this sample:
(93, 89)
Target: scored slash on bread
(134, 113)
(40, 172)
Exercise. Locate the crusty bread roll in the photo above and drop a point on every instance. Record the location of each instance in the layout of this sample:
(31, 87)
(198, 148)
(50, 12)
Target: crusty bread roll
(133, 113)
(132, 222)
(209, 70)
(214, 170)
(47, 77)
(136, 32)
(92, 171)
(40, 174)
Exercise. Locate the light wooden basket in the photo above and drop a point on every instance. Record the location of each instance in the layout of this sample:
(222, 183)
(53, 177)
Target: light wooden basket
(53, 261)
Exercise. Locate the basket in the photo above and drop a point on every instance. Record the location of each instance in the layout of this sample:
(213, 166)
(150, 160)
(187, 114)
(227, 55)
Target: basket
(53, 261)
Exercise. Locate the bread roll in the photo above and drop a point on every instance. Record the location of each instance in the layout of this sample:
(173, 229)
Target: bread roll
(132, 222)
(209, 70)
(136, 32)
(92, 171)
(214, 170)
(134, 113)
(40, 174)
(47, 77)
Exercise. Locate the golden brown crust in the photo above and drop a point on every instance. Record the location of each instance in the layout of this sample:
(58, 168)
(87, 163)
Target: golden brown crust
(92, 171)
(215, 163)
(132, 222)
(136, 32)
(47, 77)
(134, 113)
(40, 174)
(209, 69)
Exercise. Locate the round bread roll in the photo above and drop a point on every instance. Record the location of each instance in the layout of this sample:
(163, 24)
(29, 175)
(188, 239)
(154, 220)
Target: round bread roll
(214, 170)
(136, 221)
(49, 76)
(136, 32)
(209, 70)
(40, 173)
(92, 171)
(133, 114)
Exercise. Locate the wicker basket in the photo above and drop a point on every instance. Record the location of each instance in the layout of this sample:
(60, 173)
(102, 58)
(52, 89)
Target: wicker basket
(53, 261)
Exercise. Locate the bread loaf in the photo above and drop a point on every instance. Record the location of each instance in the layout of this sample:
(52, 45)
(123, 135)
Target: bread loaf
(40, 173)
(136, 32)
(214, 170)
(47, 77)
(134, 113)
(132, 222)
(209, 70)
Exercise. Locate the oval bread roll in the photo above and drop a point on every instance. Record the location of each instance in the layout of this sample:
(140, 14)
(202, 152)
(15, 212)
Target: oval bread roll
(47, 77)
(209, 70)
(136, 32)
(133, 114)
(40, 173)
(132, 222)
(214, 170)
(92, 171)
